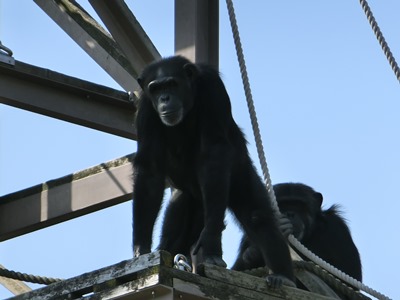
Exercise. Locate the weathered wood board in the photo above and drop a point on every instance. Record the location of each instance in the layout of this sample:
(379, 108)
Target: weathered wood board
(152, 276)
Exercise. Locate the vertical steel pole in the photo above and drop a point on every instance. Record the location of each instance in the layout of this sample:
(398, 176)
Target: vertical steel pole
(197, 30)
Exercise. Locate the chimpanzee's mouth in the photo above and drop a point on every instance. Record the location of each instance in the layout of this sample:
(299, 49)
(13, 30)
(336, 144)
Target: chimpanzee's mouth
(172, 118)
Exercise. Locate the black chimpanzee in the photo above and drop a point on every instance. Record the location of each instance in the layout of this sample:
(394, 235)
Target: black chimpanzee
(187, 136)
(324, 232)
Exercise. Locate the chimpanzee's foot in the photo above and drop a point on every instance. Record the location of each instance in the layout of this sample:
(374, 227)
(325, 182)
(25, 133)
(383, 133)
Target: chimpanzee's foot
(215, 260)
(275, 281)
(140, 250)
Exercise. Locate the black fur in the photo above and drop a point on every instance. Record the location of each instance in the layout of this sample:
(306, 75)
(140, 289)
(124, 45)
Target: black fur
(324, 232)
(186, 135)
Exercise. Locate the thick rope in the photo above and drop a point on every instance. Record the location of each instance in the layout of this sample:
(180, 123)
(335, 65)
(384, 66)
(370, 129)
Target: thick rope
(27, 277)
(327, 277)
(381, 39)
(250, 103)
(330, 280)
(250, 106)
(333, 270)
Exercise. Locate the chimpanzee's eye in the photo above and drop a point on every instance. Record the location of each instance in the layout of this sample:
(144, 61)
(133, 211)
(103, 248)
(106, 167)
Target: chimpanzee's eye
(153, 86)
(170, 82)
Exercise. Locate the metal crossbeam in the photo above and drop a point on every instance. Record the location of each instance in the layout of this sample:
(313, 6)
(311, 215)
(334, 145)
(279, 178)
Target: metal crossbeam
(127, 32)
(67, 98)
(66, 198)
(93, 39)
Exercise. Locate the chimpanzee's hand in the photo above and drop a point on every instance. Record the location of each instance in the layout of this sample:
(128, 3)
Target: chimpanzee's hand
(285, 225)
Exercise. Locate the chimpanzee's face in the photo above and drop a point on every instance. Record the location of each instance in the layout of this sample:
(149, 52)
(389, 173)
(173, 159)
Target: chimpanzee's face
(169, 87)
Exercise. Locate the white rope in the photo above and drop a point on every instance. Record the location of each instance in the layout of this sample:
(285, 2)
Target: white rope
(250, 104)
(333, 270)
(381, 38)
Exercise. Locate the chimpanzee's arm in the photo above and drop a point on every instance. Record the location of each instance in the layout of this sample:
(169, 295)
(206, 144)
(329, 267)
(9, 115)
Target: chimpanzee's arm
(147, 197)
(149, 179)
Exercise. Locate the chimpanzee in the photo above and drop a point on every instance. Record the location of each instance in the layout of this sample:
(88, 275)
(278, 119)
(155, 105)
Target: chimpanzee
(187, 137)
(324, 232)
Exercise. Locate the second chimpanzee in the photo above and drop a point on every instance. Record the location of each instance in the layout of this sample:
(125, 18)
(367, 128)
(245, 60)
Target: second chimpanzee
(324, 232)
(187, 136)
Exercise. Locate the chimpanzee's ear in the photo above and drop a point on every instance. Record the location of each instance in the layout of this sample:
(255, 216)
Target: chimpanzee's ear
(318, 197)
(191, 70)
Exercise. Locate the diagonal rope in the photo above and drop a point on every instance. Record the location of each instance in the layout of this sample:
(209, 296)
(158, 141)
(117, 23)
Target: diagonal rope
(250, 106)
(28, 277)
(250, 103)
(381, 39)
(327, 277)
(335, 271)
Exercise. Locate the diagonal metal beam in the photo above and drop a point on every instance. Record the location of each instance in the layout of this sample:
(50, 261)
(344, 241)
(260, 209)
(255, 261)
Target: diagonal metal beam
(65, 198)
(93, 39)
(14, 286)
(127, 32)
(67, 98)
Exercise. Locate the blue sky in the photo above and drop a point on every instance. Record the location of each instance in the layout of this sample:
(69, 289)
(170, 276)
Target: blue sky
(327, 103)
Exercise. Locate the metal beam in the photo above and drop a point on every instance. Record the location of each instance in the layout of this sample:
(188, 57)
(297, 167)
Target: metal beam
(197, 30)
(67, 98)
(127, 32)
(93, 39)
(65, 198)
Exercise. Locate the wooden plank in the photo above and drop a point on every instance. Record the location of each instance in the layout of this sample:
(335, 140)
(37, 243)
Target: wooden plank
(93, 39)
(66, 198)
(151, 276)
(315, 284)
(214, 291)
(127, 32)
(67, 98)
(134, 290)
(253, 283)
(110, 276)
(197, 30)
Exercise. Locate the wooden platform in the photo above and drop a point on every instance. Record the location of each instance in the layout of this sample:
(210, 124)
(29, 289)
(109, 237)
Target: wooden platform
(153, 277)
